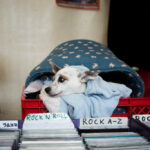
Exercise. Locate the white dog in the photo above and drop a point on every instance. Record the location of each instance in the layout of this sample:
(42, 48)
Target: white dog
(67, 80)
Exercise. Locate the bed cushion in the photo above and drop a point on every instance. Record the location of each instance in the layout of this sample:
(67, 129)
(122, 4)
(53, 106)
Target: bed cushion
(95, 56)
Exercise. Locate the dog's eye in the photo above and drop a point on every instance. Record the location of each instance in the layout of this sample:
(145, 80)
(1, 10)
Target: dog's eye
(61, 79)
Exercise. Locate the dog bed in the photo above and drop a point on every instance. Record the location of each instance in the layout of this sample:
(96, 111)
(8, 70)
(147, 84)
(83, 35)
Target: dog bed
(95, 56)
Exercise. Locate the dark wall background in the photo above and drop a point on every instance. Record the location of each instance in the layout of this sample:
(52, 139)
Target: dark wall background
(129, 31)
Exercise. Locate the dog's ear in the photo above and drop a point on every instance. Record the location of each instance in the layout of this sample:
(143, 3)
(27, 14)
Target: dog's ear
(88, 75)
(54, 67)
(33, 87)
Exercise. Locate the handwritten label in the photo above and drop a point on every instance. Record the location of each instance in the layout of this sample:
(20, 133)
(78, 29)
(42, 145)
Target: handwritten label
(9, 124)
(104, 123)
(47, 121)
(142, 118)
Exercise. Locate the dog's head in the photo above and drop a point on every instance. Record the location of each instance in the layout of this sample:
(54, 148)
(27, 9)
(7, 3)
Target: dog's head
(68, 80)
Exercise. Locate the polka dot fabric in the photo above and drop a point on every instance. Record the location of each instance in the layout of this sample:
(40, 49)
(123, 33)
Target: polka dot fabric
(93, 55)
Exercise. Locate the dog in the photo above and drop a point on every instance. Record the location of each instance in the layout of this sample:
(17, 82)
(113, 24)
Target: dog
(67, 80)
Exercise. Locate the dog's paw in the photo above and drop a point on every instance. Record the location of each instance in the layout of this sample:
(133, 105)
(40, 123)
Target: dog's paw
(52, 103)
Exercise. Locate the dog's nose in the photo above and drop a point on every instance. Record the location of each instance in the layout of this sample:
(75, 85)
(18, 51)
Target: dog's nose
(47, 90)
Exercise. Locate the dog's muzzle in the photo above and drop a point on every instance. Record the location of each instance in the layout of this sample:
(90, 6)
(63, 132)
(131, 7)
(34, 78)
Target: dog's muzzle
(47, 90)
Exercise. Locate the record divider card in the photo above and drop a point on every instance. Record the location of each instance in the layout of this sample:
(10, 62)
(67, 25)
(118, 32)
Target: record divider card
(104, 123)
(48, 121)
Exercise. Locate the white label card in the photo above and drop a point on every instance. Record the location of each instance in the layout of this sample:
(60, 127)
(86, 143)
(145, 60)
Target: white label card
(47, 121)
(9, 124)
(142, 118)
(104, 123)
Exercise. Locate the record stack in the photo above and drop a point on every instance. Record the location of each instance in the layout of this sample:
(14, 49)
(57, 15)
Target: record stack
(67, 139)
(9, 139)
(115, 141)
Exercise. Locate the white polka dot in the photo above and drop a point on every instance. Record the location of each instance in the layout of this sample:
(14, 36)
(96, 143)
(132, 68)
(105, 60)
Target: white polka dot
(98, 53)
(90, 42)
(64, 49)
(59, 55)
(106, 57)
(78, 56)
(111, 65)
(85, 44)
(130, 75)
(71, 45)
(87, 53)
(101, 50)
(79, 42)
(95, 65)
(90, 47)
(71, 52)
(93, 56)
(64, 57)
(76, 47)
(49, 60)
(137, 74)
(123, 65)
